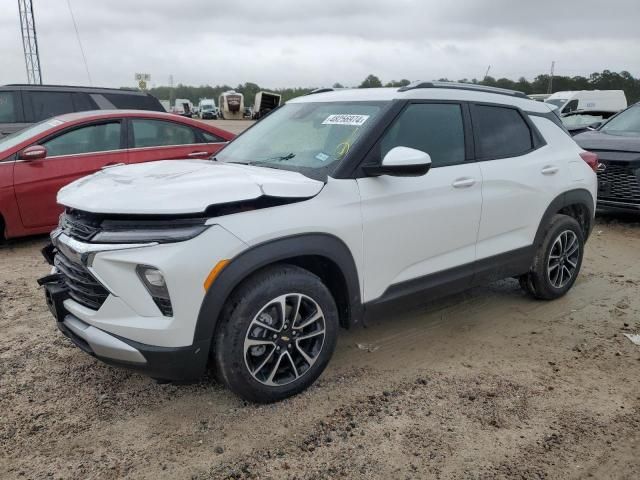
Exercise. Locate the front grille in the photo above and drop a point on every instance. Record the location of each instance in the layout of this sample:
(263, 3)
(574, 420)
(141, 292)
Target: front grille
(619, 182)
(81, 285)
(79, 226)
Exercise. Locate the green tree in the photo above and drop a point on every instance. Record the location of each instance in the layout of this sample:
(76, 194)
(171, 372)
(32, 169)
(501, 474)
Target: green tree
(605, 80)
(371, 82)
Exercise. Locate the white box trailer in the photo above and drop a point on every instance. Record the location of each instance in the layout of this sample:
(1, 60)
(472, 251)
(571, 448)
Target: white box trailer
(231, 105)
(184, 107)
(588, 100)
(264, 103)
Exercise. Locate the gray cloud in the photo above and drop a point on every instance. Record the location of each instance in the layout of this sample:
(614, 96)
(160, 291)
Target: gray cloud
(298, 43)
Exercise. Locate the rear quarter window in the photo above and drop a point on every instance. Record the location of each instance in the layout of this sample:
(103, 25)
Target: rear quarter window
(500, 132)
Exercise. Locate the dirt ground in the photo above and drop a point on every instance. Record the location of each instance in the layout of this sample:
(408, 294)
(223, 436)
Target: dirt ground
(232, 126)
(487, 384)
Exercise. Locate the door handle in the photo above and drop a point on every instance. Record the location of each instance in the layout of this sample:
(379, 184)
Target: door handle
(464, 183)
(550, 170)
(198, 154)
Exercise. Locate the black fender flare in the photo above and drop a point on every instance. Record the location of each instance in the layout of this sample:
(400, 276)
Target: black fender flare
(578, 196)
(279, 250)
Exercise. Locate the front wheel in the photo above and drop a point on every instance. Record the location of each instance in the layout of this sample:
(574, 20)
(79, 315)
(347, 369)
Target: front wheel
(557, 261)
(279, 332)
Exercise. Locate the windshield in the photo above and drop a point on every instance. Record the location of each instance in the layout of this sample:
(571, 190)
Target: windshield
(558, 102)
(206, 108)
(581, 119)
(310, 138)
(16, 138)
(625, 123)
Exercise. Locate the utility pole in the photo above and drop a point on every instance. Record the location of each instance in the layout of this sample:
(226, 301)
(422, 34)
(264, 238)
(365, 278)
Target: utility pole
(550, 90)
(171, 99)
(30, 42)
(486, 74)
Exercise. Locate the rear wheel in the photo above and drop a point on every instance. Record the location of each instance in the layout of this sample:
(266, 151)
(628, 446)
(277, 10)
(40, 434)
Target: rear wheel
(557, 261)
(279, 332)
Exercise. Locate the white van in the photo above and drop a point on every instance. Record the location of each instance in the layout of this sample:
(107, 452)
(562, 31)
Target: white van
(588, 100)
(207, 109)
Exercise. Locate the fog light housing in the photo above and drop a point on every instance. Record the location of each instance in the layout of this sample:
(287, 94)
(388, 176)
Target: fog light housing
(154, 282)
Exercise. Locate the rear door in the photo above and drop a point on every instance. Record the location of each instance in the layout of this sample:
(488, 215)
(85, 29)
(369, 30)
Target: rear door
(521, 175)
(153, 139)
(71, 154)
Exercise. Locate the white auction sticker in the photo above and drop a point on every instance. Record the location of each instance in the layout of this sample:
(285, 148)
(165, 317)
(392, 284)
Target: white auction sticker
(346, 119)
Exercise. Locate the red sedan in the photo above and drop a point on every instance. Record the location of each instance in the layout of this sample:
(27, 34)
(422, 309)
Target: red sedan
(36, 162)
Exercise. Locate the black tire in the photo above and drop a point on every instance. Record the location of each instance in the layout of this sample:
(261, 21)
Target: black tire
(552, 277)
(242, 320)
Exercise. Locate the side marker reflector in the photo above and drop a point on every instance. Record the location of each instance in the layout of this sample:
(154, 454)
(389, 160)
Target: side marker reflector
(213, 274)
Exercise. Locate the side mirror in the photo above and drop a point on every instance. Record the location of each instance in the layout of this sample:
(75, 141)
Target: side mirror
(401, 162)
(34, 152)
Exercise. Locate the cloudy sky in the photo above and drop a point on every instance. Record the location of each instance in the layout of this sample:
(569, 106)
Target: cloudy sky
(279, 43)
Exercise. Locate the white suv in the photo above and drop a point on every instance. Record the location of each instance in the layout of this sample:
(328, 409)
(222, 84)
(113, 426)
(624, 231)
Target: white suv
(331, 206)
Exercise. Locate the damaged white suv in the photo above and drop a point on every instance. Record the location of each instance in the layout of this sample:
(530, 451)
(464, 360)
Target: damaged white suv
(333, 205)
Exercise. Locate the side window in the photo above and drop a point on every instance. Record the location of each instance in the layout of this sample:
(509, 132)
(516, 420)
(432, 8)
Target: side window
(93, 138)
(211, 138)
(8, 108)
(434, 128)
(156, 133)
(82, 102)
(501, 132)
(132, 101)
(49, 104)
(570, 107)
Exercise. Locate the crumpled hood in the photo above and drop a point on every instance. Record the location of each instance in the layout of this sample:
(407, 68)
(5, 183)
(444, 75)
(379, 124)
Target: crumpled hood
(181, 187)
(604, 141)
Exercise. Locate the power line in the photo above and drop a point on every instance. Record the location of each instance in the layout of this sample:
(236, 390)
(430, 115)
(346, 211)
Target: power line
(84, 58)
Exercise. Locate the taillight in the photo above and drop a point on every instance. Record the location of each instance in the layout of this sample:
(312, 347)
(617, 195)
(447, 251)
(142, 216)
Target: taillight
(591, 159)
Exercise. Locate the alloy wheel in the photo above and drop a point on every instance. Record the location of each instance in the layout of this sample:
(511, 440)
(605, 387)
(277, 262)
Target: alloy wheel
(284, 339)
(563, 259)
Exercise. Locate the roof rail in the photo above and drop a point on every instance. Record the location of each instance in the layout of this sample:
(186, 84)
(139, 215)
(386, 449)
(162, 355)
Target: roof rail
(462, 86)
(320, 90)
(29, 85)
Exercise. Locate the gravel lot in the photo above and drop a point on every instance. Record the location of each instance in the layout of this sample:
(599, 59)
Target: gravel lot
(486, 384)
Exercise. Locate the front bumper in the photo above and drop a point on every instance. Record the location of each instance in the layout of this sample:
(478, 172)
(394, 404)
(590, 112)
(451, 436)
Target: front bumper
(127, 328)
(166, 363)
(619, 206)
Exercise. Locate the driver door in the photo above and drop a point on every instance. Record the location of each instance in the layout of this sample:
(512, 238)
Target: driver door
(419, 231)
(70, 155)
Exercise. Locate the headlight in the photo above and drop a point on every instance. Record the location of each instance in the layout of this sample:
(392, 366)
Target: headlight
(165, 233)
(154, 282)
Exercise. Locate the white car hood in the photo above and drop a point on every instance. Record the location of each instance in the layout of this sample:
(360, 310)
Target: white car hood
(181, 187)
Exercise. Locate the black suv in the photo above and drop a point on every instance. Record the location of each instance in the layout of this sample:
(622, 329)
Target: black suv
(617, 143)
(22, 105)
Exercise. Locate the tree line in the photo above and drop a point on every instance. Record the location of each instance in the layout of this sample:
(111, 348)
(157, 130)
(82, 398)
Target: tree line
(605, 80)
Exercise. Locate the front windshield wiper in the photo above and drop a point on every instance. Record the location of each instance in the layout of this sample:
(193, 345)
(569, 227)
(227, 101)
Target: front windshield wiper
(280, 158)
(266, 161)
